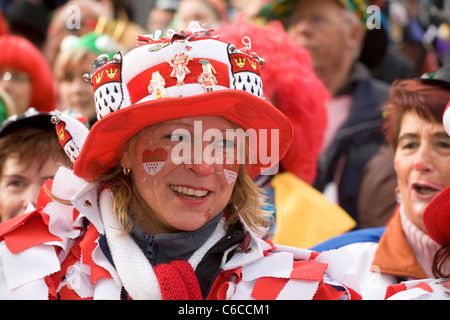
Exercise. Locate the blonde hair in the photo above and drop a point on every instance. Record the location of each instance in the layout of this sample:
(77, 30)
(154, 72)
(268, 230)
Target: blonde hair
(68, 58)
(246, 200)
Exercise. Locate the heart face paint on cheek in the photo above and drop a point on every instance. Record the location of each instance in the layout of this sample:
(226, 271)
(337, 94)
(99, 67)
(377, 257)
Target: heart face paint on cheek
(231, 172)
(154, 160)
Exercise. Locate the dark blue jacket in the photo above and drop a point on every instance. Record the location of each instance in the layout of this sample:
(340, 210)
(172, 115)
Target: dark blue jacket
(357, 140)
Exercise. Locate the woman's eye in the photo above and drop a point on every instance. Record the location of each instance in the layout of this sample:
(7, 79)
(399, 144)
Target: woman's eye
(15, 184)
(409, 144)
(177, 137)
(444, 143)
(227, 144)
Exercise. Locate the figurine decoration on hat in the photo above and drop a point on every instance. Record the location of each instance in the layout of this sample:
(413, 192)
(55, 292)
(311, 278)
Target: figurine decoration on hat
(179, 64)
(207, 78)
(156, 86)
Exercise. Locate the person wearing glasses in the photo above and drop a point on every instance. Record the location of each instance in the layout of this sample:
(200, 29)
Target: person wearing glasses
(25, 75)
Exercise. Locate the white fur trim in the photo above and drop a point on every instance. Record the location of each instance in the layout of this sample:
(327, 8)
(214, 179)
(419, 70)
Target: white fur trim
(134, 270)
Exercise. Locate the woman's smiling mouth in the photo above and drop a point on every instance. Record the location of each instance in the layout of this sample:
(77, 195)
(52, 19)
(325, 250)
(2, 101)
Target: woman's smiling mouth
(189, 193)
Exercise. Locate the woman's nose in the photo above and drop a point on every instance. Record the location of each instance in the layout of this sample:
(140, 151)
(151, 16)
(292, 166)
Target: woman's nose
(423, 160)
(201, 169)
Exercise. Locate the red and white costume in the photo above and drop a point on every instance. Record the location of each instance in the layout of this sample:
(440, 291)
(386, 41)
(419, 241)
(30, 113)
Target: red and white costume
(77, 249)
(60, 251)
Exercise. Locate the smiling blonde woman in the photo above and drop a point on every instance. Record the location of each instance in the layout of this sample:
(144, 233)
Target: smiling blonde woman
(142, 223)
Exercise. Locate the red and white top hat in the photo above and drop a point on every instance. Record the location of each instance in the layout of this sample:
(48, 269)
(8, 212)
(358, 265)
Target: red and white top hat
(183, 75)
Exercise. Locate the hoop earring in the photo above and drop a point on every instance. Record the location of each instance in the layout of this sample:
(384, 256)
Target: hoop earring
(398, 195)
(126, 171)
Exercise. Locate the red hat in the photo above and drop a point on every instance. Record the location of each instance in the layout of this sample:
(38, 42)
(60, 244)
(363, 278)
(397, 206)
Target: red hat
(436, 218)
(20, 54)
(161, 80)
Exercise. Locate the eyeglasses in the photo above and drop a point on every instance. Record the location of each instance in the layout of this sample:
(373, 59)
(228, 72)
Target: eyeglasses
(14, 76)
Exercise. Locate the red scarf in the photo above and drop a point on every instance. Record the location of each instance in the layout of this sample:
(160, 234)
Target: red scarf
(178, 281)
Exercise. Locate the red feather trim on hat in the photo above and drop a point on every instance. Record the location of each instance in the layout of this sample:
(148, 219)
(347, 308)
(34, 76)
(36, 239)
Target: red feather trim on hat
(290, 83)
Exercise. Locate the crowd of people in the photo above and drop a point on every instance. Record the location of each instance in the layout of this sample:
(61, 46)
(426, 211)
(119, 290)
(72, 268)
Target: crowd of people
(118, 174)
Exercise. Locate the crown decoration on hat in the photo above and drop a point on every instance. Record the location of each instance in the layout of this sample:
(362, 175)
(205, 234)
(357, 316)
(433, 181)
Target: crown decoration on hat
(107, 83)
(182, 64)
(71, 132)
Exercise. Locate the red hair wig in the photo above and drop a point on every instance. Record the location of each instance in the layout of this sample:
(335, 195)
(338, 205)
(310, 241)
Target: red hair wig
(20, 54)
